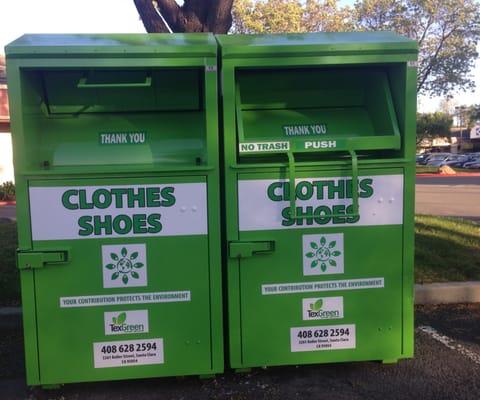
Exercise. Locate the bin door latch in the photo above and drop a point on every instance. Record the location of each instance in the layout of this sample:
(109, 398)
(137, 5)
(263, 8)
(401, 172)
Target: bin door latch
(249, 249)
(40, 259)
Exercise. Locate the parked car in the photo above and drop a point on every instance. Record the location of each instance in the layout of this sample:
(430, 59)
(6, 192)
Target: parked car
(473, 164)
(456, 161)
(437, 159)
(422, 158)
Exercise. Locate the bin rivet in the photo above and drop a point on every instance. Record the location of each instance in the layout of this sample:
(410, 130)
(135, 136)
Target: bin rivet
(198, 341)
(391, 200)
(183, 209)
(187, 342)
(194, 208)
(380, 200)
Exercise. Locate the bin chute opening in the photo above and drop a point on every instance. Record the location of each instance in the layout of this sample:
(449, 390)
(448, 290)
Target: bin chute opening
(315, 109)
(116, 116)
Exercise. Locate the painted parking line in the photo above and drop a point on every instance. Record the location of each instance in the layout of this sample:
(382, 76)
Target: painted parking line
(450, 343)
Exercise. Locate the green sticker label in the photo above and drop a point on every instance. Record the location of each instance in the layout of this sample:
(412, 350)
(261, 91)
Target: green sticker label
(110, 138)
(305, 129)
(263, 147)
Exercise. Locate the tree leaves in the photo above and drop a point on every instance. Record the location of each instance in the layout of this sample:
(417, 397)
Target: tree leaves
(278, 16)
(446, 31)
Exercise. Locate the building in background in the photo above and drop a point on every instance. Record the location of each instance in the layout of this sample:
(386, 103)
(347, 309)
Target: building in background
(6, 163)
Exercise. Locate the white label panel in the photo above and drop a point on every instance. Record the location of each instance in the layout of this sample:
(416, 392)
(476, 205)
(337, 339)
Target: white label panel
(127, 353)
(380, 202)
(322, 308)
(126, 322)
(85, 212)
(315, 338)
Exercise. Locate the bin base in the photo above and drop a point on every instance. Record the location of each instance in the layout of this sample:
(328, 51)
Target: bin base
(243, 370)
(390, 361)
(207, 376)
(52, 386)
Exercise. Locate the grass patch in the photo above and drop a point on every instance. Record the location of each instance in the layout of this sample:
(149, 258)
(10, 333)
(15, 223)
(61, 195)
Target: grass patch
(446, 249)
(9, 275)
(421, 169)
(424, 169)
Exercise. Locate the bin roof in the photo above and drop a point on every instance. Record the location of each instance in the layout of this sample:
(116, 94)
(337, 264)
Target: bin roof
(174, 45)
(268, 45)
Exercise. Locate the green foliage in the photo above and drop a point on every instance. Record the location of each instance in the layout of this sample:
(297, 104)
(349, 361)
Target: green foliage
(7, 191)
(447, 32)
(433, 125)
(277, 16)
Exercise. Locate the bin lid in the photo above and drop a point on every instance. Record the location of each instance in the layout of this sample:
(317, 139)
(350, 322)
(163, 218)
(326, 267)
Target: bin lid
(281, 45)
(165, 44)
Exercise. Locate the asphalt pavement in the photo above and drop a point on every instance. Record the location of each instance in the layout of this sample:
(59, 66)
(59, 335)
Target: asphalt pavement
(449, 196)
(444, 368)
(7, 212)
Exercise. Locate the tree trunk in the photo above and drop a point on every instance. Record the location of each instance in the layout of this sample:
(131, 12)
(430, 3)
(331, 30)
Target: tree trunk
(194, 16)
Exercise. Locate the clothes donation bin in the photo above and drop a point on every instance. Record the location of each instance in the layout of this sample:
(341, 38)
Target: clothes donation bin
(115, 148)
(319, 143)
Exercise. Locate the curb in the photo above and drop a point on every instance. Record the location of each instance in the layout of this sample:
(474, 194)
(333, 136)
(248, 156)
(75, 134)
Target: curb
(429, 293)
(438, 175)
(448, 293)
(8, 203)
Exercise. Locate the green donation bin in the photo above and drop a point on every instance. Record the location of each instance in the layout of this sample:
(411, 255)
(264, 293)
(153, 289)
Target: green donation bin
(115, 149)
(319, 144)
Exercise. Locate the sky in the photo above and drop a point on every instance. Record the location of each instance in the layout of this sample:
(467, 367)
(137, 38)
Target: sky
(120, 16)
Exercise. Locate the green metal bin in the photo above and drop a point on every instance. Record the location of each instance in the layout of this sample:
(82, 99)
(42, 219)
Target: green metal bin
(116, 163)
(319, 149)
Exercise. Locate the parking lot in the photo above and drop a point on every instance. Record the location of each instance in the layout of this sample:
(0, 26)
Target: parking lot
(446, 366)
(452, 196)
(464, 160)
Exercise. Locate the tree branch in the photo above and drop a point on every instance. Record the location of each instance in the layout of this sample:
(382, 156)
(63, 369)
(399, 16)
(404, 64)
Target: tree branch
(173, 14)
(219, 19)
(149, 16)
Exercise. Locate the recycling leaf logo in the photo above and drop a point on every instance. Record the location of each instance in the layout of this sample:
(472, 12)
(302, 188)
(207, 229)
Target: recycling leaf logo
(124, 265)
(323, 254)
(317, 306)
(120, 319)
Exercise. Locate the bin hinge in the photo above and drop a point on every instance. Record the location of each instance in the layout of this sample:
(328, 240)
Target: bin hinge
(40, 259)
(248, 249)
